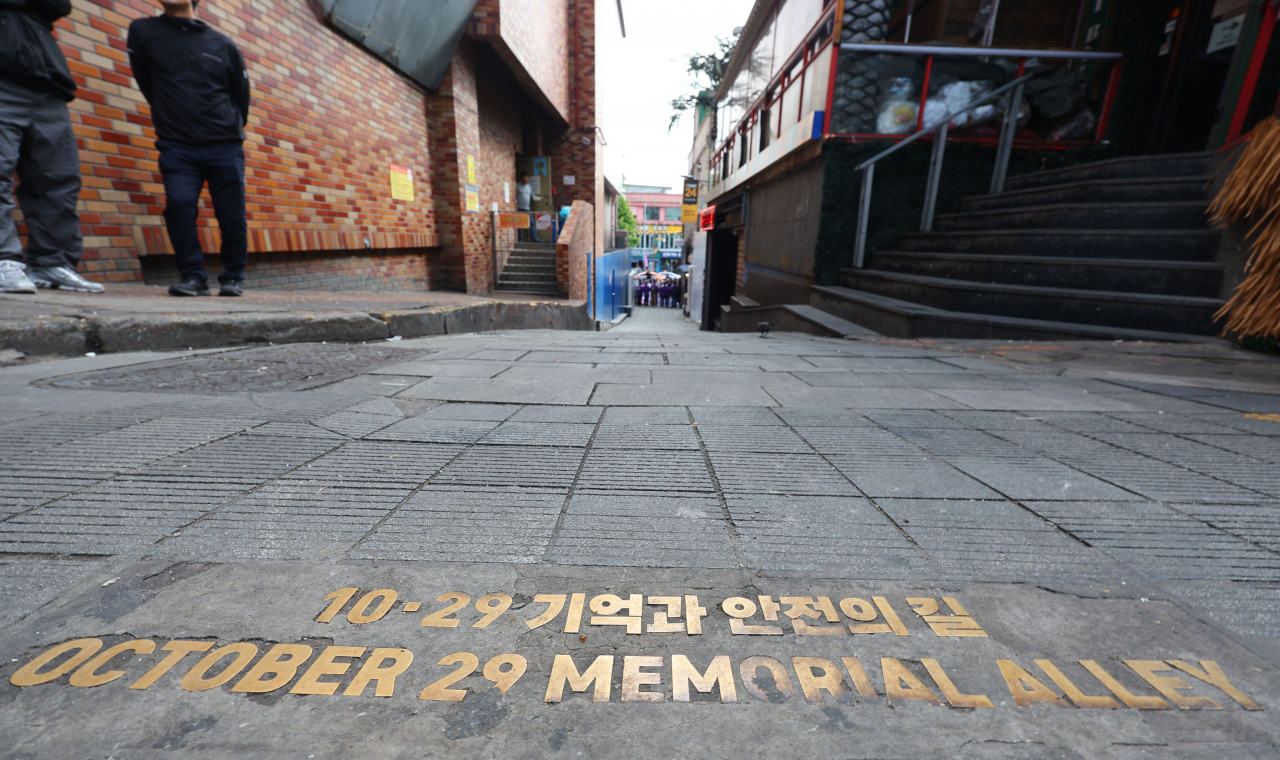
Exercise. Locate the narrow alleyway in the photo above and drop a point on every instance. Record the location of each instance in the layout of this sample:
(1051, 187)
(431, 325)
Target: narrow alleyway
(512, 502)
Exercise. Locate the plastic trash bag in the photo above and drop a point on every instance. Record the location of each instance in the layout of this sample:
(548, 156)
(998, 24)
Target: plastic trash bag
(897, 117)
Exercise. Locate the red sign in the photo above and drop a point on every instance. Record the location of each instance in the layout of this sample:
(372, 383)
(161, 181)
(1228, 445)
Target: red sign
(707, 219)
(517, 221)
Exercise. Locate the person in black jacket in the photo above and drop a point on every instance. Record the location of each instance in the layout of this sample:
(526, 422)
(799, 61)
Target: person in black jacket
(195, 80)
(36, 143)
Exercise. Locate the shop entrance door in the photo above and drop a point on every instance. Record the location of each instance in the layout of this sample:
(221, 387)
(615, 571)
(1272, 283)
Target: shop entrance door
(1186, 86)
(722, 275)
(539, 170)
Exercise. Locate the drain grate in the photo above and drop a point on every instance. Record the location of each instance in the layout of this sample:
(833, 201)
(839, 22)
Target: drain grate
(293, 367)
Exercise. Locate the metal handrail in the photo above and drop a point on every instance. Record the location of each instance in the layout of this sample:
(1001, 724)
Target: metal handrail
(935, 160)
(946, 120)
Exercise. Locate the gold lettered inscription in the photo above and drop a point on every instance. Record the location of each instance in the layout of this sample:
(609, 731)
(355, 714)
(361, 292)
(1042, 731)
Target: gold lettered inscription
(859, 678)
(340, 599)
(439, 690)
(491, 606)
(88, 674)
(901, 685)
(634, 676)
(326, 665)
(812, 684)
(563, 671)
(1136, 701)
(1025, 688)
(949, 690)
(177, 650)
(719, 675)
(505, 679)
(30, 675)
(1213, 675)
(361, 613)
(1170, 686)
(440, 618)
(372, 670)
(281, 663)
(195, 679)
(554, 602)
(749, 668)
(1073, 692)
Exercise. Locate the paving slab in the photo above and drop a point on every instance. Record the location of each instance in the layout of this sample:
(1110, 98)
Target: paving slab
(650, 542)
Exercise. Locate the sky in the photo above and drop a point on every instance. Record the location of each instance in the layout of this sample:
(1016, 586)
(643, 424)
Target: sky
(638, 77)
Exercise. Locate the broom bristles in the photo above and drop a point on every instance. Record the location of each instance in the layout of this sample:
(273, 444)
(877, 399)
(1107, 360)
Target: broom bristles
(1252, 193)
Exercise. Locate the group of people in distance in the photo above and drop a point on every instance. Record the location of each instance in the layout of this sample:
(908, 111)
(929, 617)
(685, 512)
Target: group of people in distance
(659, 289)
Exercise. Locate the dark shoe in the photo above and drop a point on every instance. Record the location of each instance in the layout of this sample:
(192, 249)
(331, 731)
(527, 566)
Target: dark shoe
(190, 286)
(232, 288)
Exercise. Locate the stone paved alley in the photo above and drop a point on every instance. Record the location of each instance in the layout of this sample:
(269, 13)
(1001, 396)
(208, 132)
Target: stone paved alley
(890, 551)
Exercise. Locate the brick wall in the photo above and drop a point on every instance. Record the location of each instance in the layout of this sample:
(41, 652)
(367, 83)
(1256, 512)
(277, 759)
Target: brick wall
(327, 121)
(574, 249)
(392, 269)
(533, 35)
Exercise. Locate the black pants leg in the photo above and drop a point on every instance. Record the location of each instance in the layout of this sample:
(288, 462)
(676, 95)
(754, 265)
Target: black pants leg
(186, 168)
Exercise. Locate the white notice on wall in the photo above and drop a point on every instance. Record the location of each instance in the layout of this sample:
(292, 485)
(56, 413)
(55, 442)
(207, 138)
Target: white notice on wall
(569, 179)
(1225, 33)
(506, 192)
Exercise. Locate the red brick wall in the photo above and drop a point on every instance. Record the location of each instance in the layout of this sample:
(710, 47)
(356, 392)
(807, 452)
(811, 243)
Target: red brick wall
(574, 248)
(390, 269)
(327, 121)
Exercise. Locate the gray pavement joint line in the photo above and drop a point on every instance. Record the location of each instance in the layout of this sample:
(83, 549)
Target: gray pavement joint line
(1261, 494)
(573, 486)
(735, 539)
(865, 495)
(1055, 526)
(594, 387)
(117, 474)
(408, 496)
(1203, 615)
(1161, 502)
(183, 528)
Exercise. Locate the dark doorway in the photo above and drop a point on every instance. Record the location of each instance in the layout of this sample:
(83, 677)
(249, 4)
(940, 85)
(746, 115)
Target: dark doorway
(722, 275)
(1182, 91)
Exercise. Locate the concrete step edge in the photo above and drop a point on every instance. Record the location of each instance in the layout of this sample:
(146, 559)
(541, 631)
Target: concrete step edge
(1033, 290)
(1089, 332)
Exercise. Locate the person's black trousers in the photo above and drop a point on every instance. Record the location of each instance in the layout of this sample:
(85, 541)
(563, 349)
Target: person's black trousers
(36, 143)
(185, 169)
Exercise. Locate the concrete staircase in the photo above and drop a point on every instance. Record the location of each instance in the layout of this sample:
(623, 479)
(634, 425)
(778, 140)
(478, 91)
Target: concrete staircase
(530, 268)
(1117, 249)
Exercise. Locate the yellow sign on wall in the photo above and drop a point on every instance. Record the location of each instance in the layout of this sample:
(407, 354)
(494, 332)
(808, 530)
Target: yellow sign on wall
(473, 199)
(401, 183)
(471, 170)
(689, 205)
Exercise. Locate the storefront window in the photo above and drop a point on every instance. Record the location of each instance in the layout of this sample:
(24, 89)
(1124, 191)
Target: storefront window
(671, 214)
(651, 213)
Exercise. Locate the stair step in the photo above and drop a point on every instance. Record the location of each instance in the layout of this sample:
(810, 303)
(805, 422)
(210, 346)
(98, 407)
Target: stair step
(1167, 215)
(1169, 165)
(1181, 278)
(903, 319)
(1169, 245)
(1128, 190)
(1138, 311)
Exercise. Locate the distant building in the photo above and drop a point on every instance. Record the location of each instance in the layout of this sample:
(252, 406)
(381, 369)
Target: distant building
(657, 212)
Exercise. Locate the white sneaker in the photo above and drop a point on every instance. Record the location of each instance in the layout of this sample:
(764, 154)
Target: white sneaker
(13, 278)
(64, 278)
